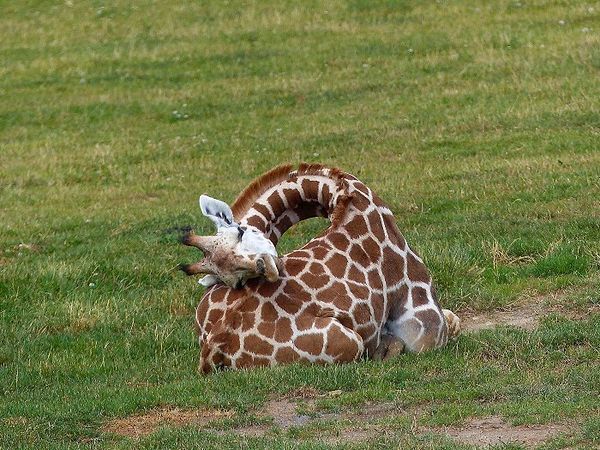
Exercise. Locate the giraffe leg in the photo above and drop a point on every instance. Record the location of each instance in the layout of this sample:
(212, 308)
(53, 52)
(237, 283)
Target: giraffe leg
(389, 347)
(453, 322)
(328, 341)
(342, 344)
(420, 332)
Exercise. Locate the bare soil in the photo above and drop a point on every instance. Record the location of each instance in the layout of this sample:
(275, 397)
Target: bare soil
(477, 431)
(525, 314)
(143, 424)
(494, 430)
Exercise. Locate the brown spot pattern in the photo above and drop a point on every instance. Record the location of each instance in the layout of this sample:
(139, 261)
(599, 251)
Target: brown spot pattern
(283, 330)
(372, 248)
(357, 275)
(340, 346)
(358, 255)
(276, 204)
(339, 241)
(267, 329)
(257, 345)
(315, 281)
(393, 266)
(337, 265)
(268, 312)
(416, 270)
(419, 297)
(376, 227)
(310, 343)
(286, 355)
(264, 211)
(357, 226)
(311, 189)
(294, 266)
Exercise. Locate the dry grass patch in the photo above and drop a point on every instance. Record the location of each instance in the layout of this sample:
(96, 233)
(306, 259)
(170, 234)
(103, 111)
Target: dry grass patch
(140, 425)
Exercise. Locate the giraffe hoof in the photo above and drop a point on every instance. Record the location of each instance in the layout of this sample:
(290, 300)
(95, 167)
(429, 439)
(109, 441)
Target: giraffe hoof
(453, 322)
(389, 347)
(395, 348)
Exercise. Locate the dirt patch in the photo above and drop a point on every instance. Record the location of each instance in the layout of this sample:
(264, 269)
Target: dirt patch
(350, 434)
(144, 424)
(494, 430)
(284, 413)
(371, 411)
(526, 314)
(480, 432)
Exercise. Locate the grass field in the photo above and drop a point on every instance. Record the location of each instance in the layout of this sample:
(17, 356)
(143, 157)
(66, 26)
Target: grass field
(477, 122)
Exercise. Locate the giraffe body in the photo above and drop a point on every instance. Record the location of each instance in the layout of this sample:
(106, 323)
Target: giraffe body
(344, 294)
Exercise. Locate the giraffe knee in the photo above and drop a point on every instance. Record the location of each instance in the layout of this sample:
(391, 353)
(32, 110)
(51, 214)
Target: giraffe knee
(418, 336)
(344, 345)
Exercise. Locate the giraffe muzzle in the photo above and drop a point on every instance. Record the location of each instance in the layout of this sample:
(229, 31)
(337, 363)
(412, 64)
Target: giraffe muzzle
(194, 269)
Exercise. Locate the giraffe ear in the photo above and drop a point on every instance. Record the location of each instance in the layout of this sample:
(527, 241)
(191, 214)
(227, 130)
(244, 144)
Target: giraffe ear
(217, 211)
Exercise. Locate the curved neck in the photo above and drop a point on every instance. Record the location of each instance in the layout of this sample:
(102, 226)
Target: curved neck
(298, 198)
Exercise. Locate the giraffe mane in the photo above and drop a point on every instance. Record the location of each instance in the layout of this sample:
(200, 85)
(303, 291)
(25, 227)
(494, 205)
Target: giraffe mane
(246, 199)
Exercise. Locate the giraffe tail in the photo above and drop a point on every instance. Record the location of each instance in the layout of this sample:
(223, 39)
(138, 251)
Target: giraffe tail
(453, 323)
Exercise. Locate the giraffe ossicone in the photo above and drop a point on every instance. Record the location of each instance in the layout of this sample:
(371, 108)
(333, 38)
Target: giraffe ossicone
(357, 289)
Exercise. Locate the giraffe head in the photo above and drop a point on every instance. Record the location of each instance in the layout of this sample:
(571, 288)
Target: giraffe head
(235, 254)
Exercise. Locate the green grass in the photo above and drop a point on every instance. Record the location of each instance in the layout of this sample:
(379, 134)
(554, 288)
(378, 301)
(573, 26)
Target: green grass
(477, 122)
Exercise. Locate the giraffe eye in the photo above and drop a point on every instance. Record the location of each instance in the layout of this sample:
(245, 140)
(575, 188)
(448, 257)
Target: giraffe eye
(241, 231)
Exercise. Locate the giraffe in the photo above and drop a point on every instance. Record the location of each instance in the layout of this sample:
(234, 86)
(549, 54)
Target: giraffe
(357, 289)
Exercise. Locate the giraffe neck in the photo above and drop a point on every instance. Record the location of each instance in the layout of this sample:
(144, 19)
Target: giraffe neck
(300, 196)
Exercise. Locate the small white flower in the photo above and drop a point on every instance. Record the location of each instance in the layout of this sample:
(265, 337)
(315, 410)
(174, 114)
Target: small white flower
(92, 285)
(365, 66)
(561, 22)
(410, 50)
(586, 30)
